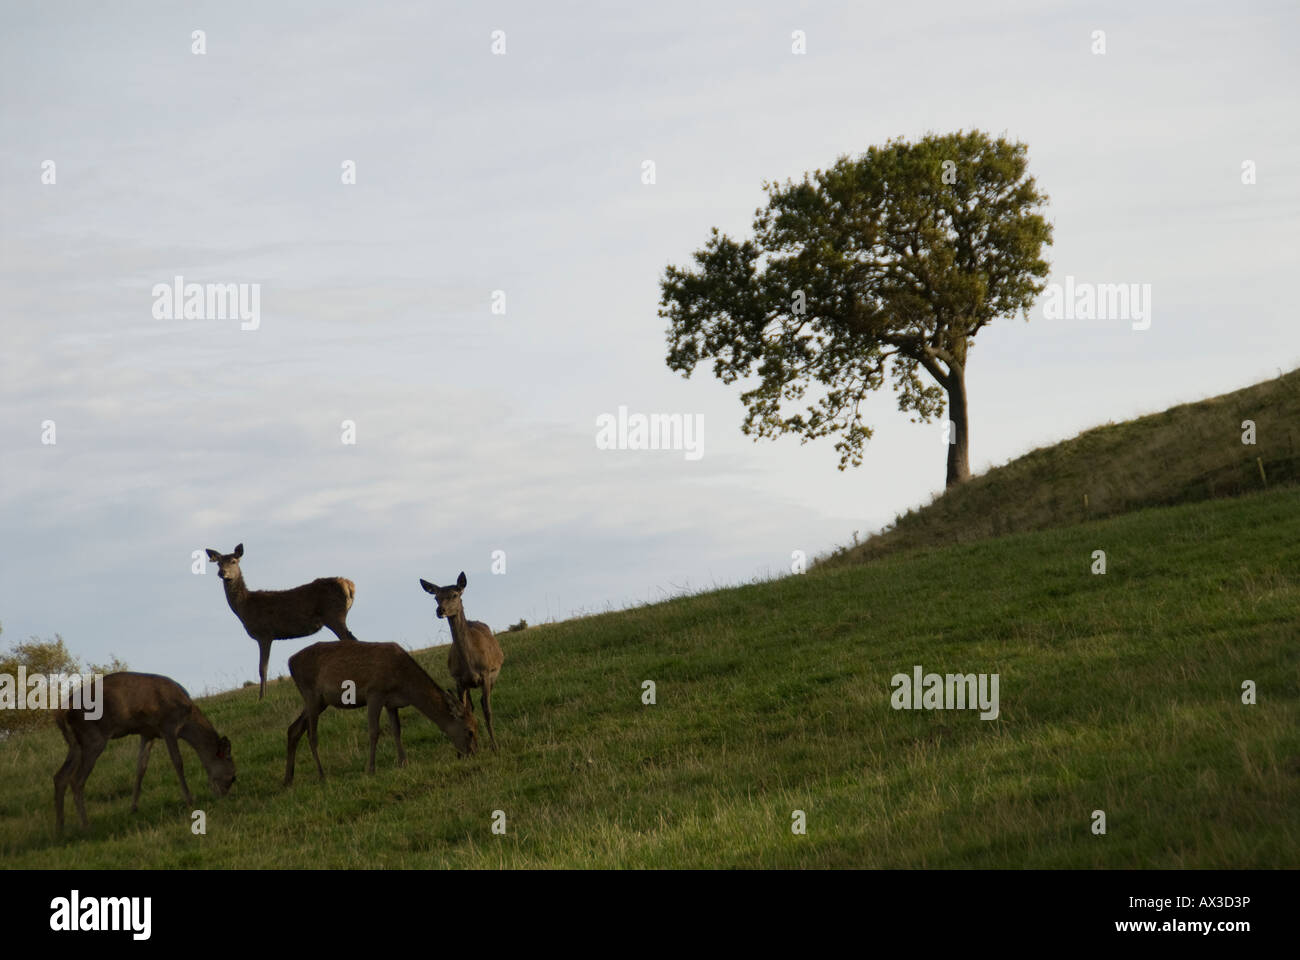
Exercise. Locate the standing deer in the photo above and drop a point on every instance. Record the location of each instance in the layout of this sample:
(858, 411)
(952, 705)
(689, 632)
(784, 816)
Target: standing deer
(284, 614)
(153, 707)
(475, 657)
(376, 676)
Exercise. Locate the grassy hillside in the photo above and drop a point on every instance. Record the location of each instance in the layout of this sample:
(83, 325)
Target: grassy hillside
(1118, 692)
(1186, 454)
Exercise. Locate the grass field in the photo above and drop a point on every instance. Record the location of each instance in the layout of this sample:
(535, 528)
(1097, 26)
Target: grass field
(1185, 454)
(1119, 692)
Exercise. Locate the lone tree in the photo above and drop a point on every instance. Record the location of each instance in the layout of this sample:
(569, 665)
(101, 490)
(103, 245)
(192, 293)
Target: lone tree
(887, 262)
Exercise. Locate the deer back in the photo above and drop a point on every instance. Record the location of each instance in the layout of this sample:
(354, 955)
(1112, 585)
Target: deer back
(136, 703)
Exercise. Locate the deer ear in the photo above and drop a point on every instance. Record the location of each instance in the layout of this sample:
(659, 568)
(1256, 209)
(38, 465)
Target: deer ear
(461, 581)
(428, 587)
(214, 556)
(239, 550)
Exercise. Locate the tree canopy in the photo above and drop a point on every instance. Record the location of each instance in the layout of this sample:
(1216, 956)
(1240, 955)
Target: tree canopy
(884, 266)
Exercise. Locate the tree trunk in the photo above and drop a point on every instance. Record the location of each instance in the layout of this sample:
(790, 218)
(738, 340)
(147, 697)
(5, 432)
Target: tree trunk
(958, 435)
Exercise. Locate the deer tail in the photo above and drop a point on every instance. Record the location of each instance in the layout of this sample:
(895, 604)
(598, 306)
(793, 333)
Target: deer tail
(349, 591)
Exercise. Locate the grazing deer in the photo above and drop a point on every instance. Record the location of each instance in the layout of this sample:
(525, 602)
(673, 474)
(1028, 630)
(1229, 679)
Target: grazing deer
(475, 657)
(376, 676)
(153, 707)
(284, 614)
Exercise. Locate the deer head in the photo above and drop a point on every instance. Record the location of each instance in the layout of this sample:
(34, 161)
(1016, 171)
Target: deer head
(464, 735)
(221, 771)
(448, 597)
(227, 563)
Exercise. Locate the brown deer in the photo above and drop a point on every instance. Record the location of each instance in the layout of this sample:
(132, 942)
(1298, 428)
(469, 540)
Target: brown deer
(153, 707)
(284, 614)
(475, 657)
(376, 676)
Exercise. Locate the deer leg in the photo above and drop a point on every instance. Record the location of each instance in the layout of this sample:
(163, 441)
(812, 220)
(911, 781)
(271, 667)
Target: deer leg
(395, 722)
(312, 718)
(486, 697)
(372, 715)
(174, 749)
(62, 777)
(341, 631)
(296, 730)
(462, 694)
(89, 754)
(142, 761)
(264, 655)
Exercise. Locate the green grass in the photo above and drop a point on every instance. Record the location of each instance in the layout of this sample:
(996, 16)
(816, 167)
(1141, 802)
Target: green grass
(1185, 454)
(1118, 692)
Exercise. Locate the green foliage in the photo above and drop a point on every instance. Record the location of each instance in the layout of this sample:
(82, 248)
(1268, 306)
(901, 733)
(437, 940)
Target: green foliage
(875, 267)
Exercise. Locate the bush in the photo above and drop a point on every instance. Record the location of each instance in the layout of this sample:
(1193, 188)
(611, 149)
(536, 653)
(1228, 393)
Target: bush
(41, 656)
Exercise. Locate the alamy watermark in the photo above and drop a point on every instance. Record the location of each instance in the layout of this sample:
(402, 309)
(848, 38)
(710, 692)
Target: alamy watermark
(1099, 301)
(53, 691)
(75, 913)
(179, 300)
(655, 431)
(953, 691)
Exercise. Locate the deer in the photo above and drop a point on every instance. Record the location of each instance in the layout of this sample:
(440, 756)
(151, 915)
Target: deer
(269, 615)
(377, 676)
(475, 657)
(151, 706)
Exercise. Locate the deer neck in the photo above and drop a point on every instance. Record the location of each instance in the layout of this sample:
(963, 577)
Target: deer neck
(459, 629)
(427, 698)
(199, 733)
(236, 593)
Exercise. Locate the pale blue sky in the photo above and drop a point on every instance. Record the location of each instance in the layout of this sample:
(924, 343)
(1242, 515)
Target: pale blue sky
(476, 172)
